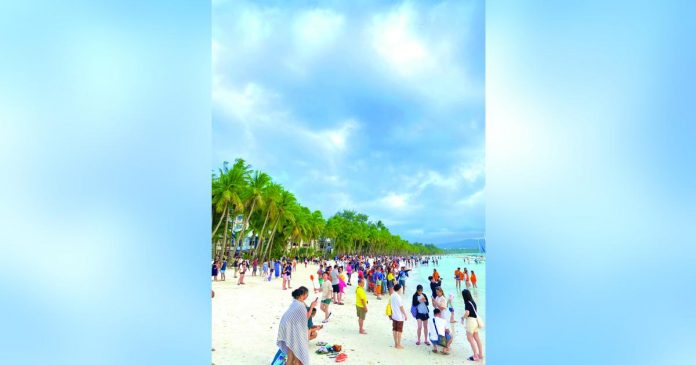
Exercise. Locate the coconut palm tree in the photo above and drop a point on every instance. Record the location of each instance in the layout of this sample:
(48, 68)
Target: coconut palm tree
(256, 184)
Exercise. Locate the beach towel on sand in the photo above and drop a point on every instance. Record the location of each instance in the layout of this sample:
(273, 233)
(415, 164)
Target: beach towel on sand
(292, 333)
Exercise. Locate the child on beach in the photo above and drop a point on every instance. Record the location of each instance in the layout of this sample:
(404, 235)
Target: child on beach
(311, 327)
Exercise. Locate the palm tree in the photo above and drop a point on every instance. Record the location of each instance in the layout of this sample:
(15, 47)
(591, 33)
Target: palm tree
(254, 196)
(227, 189)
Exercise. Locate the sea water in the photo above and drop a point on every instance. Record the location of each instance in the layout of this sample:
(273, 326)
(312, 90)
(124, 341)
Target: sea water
(446, 267)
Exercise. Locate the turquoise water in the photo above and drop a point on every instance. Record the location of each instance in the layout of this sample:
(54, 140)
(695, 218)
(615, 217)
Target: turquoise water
(446, 268)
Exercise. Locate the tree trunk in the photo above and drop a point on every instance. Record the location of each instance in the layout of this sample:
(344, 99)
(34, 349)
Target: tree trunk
(270, 239)
(263, 230)
(242, 233)
(224, 237)
(220, 222)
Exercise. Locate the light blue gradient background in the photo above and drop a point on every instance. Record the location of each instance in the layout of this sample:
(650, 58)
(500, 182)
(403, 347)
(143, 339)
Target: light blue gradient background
(105, 150)
(105, 160)
(591, 172)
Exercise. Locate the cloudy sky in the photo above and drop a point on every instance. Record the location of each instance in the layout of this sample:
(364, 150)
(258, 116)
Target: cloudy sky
(365, 105)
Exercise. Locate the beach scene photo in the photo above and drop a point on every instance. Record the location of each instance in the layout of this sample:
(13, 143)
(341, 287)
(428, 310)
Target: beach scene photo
(348, 183)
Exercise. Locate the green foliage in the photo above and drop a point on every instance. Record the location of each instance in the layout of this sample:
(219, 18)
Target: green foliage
(285, 227)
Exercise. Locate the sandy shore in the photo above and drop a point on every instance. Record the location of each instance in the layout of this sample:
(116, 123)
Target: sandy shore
(245, 325)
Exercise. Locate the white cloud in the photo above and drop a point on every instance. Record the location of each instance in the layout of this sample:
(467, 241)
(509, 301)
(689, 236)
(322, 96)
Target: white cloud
(316, 29)
(473, 199)
(395, 41)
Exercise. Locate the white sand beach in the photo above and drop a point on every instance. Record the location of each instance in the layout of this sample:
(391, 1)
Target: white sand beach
(245, 325)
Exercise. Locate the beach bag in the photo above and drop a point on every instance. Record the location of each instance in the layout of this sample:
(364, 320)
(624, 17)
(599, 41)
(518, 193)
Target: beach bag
(414, 311)
(388, 310)
(478, 318)
(441, 339)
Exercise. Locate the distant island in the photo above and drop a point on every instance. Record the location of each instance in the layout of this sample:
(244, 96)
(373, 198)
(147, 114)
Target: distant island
(470, 245)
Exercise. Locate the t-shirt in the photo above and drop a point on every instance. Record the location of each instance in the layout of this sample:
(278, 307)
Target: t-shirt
(440, 302)
(334, 277)
(326, 290)
(224, 266)
(390, 277)
(379, 276)
(360, 295)
(433, 331)
(402, 275)
(396, 307)
(470, 306)
(436, 276)
(422, 306)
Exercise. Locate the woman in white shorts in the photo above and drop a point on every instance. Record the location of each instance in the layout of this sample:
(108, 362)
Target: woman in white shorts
(472, 325)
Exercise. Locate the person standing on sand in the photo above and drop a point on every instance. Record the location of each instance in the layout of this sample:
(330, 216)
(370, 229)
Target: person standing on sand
(398, 316)
(420, 301)
(288, 274)
(293, 338)
(215, 271)
(436, 275)
(361, 305)
(334, 285)
(326, 292)
(341, 283)
(473, 279)
(349, 271)
(242, 271)
(472, 325)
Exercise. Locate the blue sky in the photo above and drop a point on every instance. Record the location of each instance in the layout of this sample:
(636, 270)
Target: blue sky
(371, 106)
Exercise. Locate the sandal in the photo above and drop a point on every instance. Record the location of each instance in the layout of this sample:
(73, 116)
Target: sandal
(435, 351)
(341, 357)
(418, 342)
(427, 343)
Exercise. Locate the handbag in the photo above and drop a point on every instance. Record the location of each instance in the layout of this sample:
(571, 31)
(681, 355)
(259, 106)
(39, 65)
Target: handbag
(414, 311)
(441, 340)
(479, 321)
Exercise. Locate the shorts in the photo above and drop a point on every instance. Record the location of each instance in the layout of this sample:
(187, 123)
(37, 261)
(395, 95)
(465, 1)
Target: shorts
(326, 301)
(472, 325)
(223, 271)
(335, 288)
(361, 312)
(422, 316)
(402, 283)
(397, 326)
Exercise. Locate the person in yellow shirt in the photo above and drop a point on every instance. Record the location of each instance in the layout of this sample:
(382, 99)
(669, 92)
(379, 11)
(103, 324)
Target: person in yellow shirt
(361, 304)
